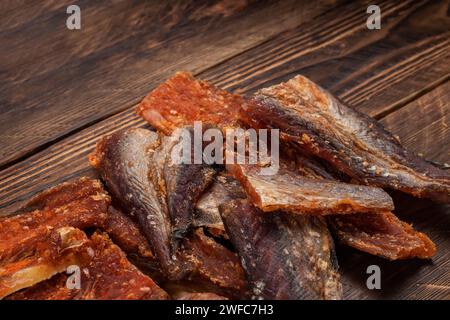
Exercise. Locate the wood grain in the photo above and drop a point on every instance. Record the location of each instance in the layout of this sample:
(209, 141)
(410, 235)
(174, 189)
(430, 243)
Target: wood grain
(422, 127)
(54, 81)
(67, 157)
(410, 279)
(379, 72)
(367, 69)
(424, 124)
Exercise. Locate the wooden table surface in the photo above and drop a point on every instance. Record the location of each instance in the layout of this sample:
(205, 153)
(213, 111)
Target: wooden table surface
(60, 89)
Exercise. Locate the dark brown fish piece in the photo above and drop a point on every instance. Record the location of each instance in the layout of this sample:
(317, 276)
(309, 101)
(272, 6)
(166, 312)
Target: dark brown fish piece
(352, 142)
(384, 235)
(182, 99)
(214, 268)
(138, 168)
(106, 274)
(124, 160)
(224, 188)
(290, 191)
(126, 233)
(184, 182)
(381, 233)
(285, 256)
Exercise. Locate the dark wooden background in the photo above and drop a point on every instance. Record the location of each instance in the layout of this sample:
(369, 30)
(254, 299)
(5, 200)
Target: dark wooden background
(60, 90)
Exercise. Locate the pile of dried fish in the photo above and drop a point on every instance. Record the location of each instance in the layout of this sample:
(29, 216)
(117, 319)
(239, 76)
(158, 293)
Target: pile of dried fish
(164, 229)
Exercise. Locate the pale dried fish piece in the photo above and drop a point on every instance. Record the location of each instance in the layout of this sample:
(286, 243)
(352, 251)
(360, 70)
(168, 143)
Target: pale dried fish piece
(352, 142)
(290, 190)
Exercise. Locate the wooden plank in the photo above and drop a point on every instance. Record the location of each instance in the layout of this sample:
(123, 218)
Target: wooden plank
(368, 69)
(14, 13)
(423, 126)
(54, 81)
(408, 279)
(400, 280)
(67, 158)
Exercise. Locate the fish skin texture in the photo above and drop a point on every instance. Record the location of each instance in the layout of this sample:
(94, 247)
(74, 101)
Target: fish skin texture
(214, 268)
(136, 165)
(106, 274)
(182, 99)
(288, 190)
(352, 142)
(381, 234)
(285, 256)
(224, 188)
(184, 184)
(124, 160)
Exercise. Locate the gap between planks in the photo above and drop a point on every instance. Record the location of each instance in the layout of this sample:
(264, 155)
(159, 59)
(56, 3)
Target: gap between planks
(79, 85)
(349, 12)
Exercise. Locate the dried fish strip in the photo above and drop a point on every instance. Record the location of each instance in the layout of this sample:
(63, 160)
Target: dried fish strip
(352, 142)
(42, 260)
(289, 190)
(106, 274)
(138, 168)
(182, 99)
(383, 235)
(123, 160)
(285, 256)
